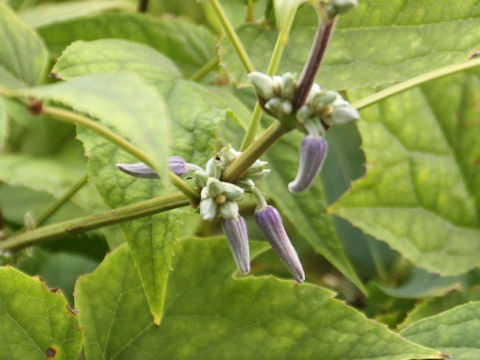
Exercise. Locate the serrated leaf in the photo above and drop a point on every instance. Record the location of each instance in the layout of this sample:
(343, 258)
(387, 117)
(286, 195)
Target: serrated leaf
(420, 38)
(34, 320)
(188, 45)
(421, 193)
(306, 211)
(46, 14)
(121, 101)
(439, 305)
(151, 238)
(454, 332)
(223, 317)
(23, 57)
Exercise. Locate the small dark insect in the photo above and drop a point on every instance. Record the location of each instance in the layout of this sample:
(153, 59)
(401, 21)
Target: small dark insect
(474, 54)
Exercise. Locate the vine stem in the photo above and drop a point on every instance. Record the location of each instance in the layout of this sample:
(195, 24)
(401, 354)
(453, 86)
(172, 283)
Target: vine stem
(232, 35)
(205, 69)
(58, 203)
(411, 83)
(71, 117)
(77, 119)
(319, 48)
(272, 69)
(270, 136)
(95, 221)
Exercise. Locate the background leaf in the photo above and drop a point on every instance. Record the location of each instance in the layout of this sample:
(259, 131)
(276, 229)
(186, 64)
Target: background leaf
(420, 38)
(190, 46)
(421, 192)
(34, 319)
(49, 13)
(453, 332)
(23, 57)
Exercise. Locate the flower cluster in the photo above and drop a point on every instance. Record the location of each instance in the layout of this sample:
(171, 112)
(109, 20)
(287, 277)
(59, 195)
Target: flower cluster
(220, 199)
(274, 93)
(321, 110)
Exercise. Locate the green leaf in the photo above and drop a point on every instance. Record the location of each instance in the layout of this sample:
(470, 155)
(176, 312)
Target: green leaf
(436, 306)
(421, 284)
(46, 14)
(108, 56)
(306, 211)
(34, 320)
(188, 45)
(421, 193)
(40, 174)
(454, 332)
(23, 57)
(420, 38)
(120, 101)
(225, 317)
(151, 238)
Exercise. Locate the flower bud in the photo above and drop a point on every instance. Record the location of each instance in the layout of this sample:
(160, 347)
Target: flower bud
(177, 165)
(288, 86)
(215, 187)
(313, 151)
(336, 7)
(342, 115)
(262, 83)
(208, 209)
(275, 107)
(270, 222)
(140, 170)
(229, 210)
(232, 192)
(237, 236)
(212, 169)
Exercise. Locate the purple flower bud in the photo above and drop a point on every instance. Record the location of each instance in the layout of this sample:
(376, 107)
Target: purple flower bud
(236, 232)
(270, 222)
(313, 152)
(140, 170)
(177, 165)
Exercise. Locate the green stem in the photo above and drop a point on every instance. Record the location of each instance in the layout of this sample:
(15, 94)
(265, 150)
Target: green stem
(277, 54)
(205, 69)
(253, 127)
(238, 168)
(232, 35)
(377, 260)
(418, 80)
(142, 6)
(91, 222)
(58, 203)
(250, 9)
(77, 119)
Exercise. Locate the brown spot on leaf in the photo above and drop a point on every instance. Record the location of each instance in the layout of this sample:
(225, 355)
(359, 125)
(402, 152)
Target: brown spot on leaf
(476, 162)
(55, 290)
(51, 352)
(444, 356)
(72, 310)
